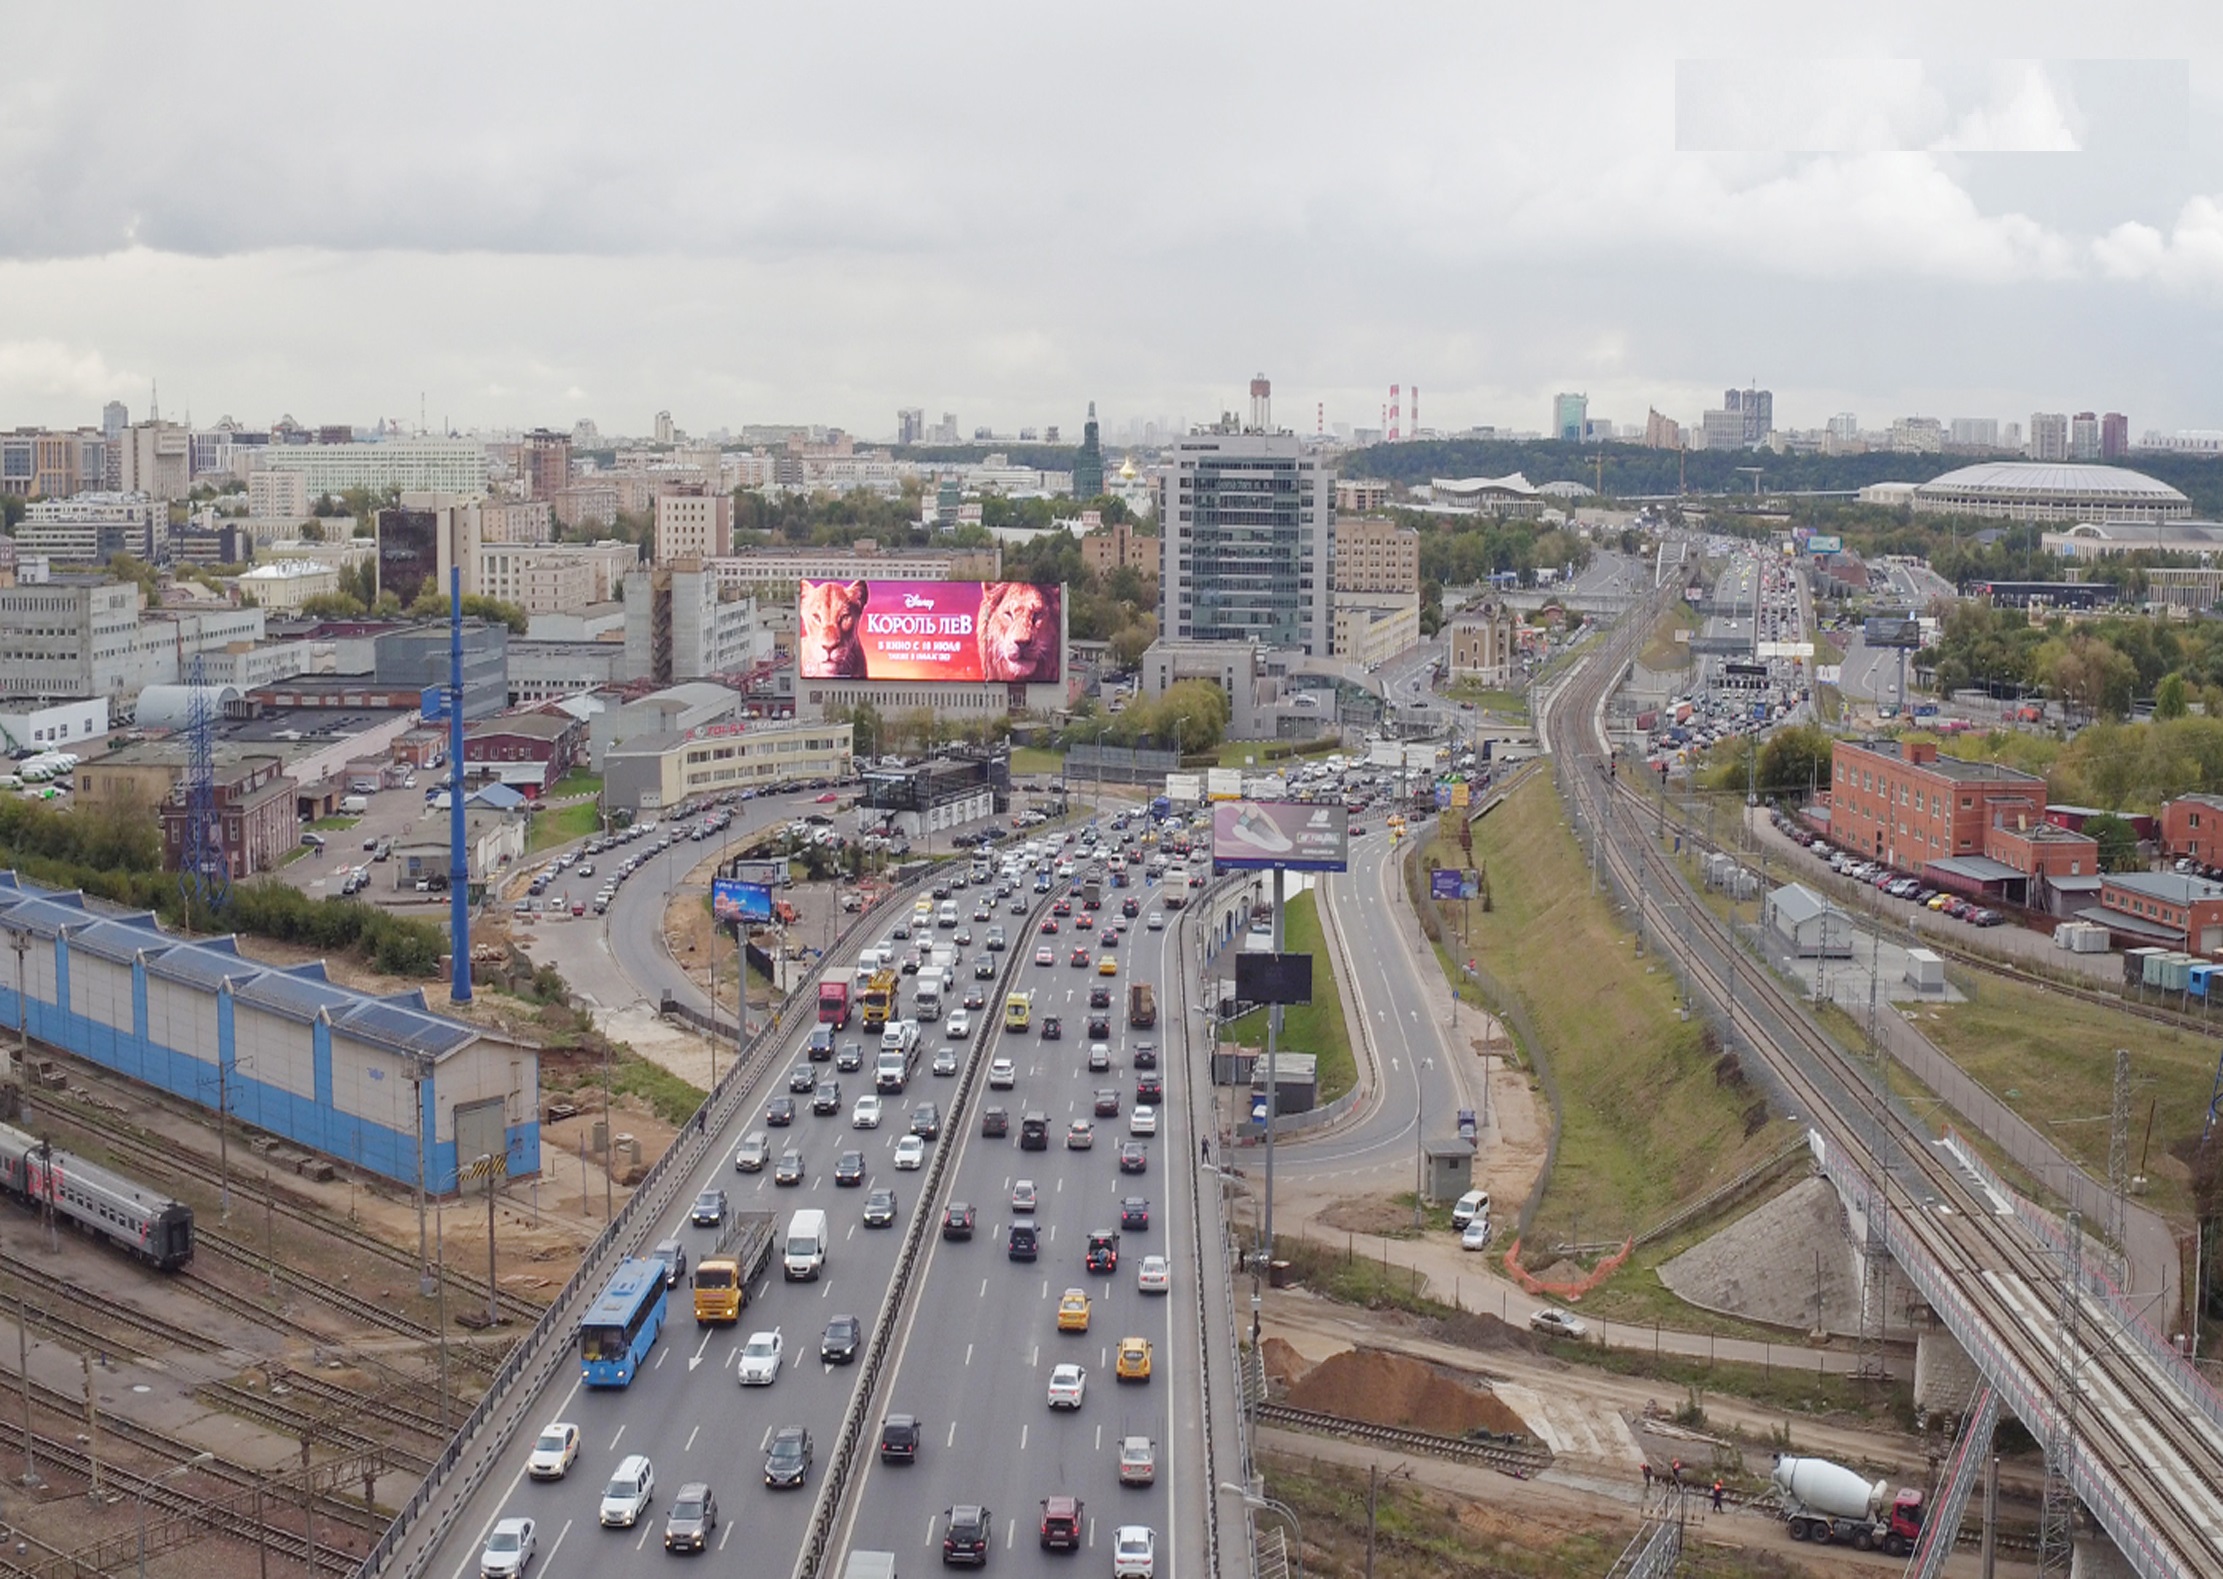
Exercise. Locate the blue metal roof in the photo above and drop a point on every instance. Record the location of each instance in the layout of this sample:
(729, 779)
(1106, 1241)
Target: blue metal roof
(406, 1030)
(111, 940)
(195, 965)
(292, 997)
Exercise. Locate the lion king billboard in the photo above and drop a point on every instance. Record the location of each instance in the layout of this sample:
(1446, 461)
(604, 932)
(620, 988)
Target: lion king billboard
(1004, 632)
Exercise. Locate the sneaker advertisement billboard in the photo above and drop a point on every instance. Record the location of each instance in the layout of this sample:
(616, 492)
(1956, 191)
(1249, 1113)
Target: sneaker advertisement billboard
(1296, 836)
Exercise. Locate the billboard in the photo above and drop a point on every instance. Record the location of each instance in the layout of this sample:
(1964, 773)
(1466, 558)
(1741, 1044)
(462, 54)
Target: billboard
(1451, 882)
(1262, 835)
(1890, 630)
(1385, 754)
(733, 901)
(1823, 543)
(1224, 783)
(767, 874)
(1185, 788)
(998, 631)
(1265, 977)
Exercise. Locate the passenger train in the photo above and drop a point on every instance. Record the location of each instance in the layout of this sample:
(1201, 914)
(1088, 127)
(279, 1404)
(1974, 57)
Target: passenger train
(107, 1205)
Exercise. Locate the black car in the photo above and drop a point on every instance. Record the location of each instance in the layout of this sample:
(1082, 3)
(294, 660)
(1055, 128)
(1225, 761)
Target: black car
(1149, 1088)
(1025, 1242)
(849, 1057)
(788, 1173)
(801, 1079)
(1134, 1157)
(1146, 1055)
(994, 1122)
(779, 1112)
(1107, 1103)
(879, 1209)
(926, 1121)
(1099, 996)
(984, 968)
(899, 1439)
(839, 1343)
(827, 1098)
(957, 1221)
(709, 1209)
(1099, 1027)
(1052, 1028)
(849, 1169)
(967, 1535)
(788, 1462)
(1134, 1212)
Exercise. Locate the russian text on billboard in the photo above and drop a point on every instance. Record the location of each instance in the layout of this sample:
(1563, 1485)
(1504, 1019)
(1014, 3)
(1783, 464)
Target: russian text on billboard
(1005, 632)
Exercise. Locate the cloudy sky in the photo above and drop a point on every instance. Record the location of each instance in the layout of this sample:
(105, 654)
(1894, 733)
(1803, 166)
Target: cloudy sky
(526, 214)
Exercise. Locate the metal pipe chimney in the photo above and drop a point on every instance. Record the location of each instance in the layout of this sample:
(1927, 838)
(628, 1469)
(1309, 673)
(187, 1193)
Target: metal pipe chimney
(459, 866)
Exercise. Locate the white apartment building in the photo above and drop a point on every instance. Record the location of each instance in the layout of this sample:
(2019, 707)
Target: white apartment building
(455, 466)
(86, 528)
(283, 585)
(517, 520)
(84, 636)
(2049, 436)
(693, 526)
(274, 495)
(549, 578)
(1247, 534)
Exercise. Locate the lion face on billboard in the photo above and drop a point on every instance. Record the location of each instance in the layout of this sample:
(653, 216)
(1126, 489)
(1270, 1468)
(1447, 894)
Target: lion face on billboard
(1018, 627)
(827, 646)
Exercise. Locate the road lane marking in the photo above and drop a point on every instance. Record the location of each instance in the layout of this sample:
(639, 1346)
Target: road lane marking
(724, 1536)
(614, 1440)
(1022, 1438)
(696, 1359)
(952, 1442)
(968, 1354)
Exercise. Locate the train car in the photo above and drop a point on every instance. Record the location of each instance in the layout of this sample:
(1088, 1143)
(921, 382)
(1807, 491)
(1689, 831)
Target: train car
(150, 1225)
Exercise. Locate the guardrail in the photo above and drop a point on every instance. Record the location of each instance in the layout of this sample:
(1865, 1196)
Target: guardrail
(485, 1433)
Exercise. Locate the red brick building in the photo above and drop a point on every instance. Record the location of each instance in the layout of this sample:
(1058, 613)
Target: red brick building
(2184, 913)
(2040, 849)
(1901, 803)
(528, 751)
(2192, 825)
(257, 822)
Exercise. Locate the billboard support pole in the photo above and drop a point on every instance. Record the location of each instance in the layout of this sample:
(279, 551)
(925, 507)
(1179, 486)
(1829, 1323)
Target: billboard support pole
(1273, 1101)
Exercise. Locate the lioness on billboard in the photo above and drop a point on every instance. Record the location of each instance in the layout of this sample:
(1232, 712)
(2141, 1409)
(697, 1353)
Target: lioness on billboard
(1006, 632)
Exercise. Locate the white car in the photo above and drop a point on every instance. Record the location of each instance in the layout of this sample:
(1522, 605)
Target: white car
(760, 1358)
(910, 1153)
(1143, 1121)
(1068, 1383)
(959, 1023)
(1003, 1074)
(866, 1114)
(556, 1450)
(1135, 1552)
(1476, 1235)
(1555, 1323)
(1024, 1196)
(508, 1549)
(1157, 921)
(1154, 1276)
(631, 1489)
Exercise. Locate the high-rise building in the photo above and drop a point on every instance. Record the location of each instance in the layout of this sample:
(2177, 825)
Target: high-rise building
(1844, 427)
(114, 418)
(435, 465)
(1722, 430)
(694, 524)
(910, 425)
(155, 460)
(1569, 415)
(544, 460)
(2049, 436)
(2084, 436)
(1088, 465)
(1247, 541)
(1756, 407)
(2114, 436)
(663, 427)
(1662, 433)
(1975, 433)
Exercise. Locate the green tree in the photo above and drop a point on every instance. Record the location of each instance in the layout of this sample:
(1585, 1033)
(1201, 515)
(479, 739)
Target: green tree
(1794, 761)
(2170, 698)
(312, 531)
(1193, 713)
(2118, 842)
(431, 605)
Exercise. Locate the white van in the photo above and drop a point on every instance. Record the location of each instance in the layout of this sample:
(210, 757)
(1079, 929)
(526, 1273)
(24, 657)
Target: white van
(354, 805)
(805, 1255)
(946, 917)
(1473, 1204)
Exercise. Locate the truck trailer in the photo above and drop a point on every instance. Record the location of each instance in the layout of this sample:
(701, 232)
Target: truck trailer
(723, 1275)
(833, 1000)
(1142, 1006)
(1830, 1504)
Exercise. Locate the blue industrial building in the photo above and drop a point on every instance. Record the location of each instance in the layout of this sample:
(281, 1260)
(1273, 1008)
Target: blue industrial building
(362, 1079)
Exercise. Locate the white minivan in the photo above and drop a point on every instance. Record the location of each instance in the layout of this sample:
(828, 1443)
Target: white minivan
(805, 1254)
(1473, 1204)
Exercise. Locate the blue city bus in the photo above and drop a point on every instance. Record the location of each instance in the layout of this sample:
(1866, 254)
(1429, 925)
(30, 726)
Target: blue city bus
(620, 1328)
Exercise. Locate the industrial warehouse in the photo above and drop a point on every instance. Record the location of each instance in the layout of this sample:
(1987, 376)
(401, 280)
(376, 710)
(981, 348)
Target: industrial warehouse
(375, 1083)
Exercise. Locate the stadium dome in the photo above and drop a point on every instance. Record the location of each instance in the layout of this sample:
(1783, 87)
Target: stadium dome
(2046, 491)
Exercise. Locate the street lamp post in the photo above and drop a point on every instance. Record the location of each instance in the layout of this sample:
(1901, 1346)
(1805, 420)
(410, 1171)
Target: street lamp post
(175, 1469)
(1252, 1499)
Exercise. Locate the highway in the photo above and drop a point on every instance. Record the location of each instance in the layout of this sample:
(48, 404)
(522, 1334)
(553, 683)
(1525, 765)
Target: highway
(974, 1365)
(971, 1359)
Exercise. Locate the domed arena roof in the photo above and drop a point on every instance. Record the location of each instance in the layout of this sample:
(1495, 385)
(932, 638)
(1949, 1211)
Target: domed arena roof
(2047, 490)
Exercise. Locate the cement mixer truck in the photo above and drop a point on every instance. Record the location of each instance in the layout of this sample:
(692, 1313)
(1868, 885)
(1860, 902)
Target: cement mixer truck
(1828, 1503)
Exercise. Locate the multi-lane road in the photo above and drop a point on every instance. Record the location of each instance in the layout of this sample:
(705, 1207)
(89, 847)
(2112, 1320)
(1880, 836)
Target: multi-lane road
(972, 1353)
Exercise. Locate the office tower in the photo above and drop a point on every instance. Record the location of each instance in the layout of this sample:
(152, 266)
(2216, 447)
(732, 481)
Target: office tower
(2084, 436)
(2114, 436)
(1569, 414)
(910, 425)
(663, 427)
(1756, 407)
(545, 461)
(1247, 552)
(2049, 436)
(1088, 464)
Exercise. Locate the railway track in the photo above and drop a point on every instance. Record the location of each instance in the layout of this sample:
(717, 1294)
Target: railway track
(2149, 1448)
(168, 1161)
(1512, 1459)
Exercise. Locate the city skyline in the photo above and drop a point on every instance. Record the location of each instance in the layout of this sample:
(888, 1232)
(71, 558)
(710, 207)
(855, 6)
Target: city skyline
(497, 259)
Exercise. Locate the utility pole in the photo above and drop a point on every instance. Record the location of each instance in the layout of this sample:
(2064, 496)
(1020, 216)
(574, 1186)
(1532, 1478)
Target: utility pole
(1373, 1484)
(92, 1428)
(23, 1370)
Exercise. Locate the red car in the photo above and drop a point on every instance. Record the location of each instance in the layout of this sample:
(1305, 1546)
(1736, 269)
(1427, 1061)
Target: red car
(1061, 908)
(1049, 925)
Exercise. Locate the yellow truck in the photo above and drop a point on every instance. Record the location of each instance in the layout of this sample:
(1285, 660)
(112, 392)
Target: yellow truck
(879, 998)
(723, 1275)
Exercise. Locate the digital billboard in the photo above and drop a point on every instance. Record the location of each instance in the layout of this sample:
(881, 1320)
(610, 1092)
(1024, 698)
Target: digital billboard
(1825, 543)
(1005, 632)
(1266, 977)
(1252, 835)
(1882, 630)
(732, 902)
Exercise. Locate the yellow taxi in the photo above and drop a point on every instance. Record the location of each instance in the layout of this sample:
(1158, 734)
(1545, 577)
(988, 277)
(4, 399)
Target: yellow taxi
(1072, 1311)
(1108, 965)
(1134, 1360)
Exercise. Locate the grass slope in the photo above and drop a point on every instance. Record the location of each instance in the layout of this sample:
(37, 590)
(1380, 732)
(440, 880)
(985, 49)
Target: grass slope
(1651, 1115)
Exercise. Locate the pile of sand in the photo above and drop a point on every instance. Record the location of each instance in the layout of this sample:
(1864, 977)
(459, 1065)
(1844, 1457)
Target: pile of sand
(1390, 1389)
(1473, 1330)
(1283, 1363)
